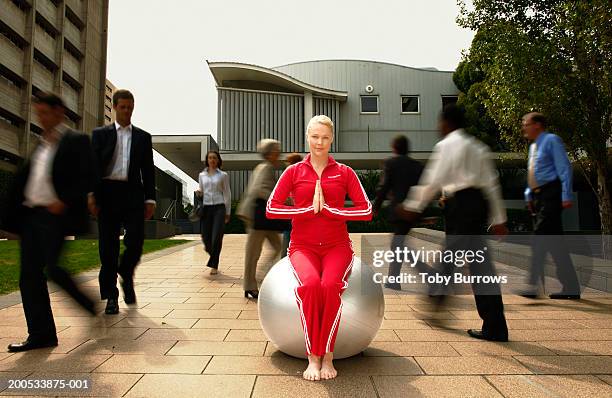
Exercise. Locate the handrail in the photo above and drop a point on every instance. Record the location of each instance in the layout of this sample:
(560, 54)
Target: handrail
(170, 211)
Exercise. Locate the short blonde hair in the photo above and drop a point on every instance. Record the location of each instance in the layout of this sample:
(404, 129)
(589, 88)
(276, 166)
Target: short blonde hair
(320, 119)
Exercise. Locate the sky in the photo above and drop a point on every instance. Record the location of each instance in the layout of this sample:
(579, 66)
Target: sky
(158, 49)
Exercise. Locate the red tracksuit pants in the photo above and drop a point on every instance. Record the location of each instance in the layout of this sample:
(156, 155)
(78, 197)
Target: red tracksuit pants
(322, 273)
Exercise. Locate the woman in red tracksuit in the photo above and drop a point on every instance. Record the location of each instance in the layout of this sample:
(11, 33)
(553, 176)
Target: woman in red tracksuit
(320, 250)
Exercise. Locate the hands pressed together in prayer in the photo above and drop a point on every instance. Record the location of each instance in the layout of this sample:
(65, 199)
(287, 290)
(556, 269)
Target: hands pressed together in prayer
(318, 200)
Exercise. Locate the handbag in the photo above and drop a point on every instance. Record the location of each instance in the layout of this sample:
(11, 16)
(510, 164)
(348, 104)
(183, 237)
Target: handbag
(197, 212)
(261, 222)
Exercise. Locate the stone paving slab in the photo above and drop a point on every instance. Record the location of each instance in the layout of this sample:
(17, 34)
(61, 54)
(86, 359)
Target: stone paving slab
(295, 386)
(433, 386)
(196, 386)
(124, 347)
(471, 365)
(45, 361)
(567, 364)
(193, 334)
(569, 386)
(184, 334)
(154, 364)
(237, 348)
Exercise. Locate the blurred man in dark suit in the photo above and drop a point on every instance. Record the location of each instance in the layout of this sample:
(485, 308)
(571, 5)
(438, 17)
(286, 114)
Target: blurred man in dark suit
(124, 195)
(401, 172)
(49, 202)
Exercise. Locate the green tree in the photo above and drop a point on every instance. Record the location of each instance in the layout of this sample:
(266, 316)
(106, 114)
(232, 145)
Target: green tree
(469, 78)
(554, 56)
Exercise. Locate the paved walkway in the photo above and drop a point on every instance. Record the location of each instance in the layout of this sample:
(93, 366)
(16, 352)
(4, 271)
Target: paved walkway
(193, 334)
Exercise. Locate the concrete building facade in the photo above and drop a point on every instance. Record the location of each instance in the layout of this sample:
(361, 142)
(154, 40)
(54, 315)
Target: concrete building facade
(50, 45)
(109, 112)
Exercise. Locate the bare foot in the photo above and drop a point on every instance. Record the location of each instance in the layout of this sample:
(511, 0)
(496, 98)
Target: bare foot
(327, 368)
(313, 371)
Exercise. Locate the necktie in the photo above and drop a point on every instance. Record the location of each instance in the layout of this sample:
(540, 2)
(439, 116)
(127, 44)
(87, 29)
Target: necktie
(531, 180)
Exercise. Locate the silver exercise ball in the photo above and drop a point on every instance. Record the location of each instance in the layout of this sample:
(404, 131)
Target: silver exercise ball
(363, 307)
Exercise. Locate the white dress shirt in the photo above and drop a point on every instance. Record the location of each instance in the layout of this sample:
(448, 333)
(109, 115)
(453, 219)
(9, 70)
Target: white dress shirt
(459, 161)
(39, 190)
(120, 163)
(216, 189)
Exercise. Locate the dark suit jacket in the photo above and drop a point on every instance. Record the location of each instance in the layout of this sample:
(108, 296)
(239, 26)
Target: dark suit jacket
(141, 173)
(400, 174)
(71, 174)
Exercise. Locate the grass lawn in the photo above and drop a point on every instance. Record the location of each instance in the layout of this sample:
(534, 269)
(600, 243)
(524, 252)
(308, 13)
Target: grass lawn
(78, 255)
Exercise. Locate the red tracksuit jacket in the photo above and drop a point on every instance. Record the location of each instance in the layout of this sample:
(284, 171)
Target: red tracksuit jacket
(329, 225)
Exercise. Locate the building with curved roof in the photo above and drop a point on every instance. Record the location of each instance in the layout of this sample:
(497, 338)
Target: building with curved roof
(369, 101)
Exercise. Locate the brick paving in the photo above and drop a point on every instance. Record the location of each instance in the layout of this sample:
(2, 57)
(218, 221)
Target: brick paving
(193, 334)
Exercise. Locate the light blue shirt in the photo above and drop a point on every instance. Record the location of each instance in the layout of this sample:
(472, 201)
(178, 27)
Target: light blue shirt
(551, 163)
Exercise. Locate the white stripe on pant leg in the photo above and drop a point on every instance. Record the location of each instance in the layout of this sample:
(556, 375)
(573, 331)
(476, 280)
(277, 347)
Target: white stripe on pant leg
(300, 307)
(331, 332)
(304, 325)
(335, 324)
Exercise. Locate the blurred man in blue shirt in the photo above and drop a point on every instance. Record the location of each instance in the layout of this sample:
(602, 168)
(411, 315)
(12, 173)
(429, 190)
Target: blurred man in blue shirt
(548, 192)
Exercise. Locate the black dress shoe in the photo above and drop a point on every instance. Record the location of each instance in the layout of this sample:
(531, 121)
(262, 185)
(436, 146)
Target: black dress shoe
(253, 293)
(564, 296)
(393, 286)
(129, 295)
(528, 294)
(32, 345)
(477, 334)
(112, 307)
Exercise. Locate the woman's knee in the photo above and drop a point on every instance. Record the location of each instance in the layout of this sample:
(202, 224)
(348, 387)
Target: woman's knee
(311, 283)
(329, 285)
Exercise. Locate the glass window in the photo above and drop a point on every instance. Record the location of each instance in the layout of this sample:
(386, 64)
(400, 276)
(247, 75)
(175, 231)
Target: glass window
(410, 104)
(369, 104)
(449, 99)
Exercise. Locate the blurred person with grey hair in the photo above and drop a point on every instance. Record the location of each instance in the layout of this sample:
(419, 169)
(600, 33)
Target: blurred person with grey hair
(252, 211)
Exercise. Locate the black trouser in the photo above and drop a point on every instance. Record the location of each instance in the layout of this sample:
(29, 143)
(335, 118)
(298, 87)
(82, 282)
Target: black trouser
(120, 205)
(42, 239)
(548, 238)
(400, 230)
(212, 226)
(466, 216)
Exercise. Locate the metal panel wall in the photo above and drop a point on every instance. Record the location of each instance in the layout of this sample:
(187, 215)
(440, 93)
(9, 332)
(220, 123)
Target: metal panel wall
(245, 117)
(238, 182)
(331, 108)
(373, 132)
